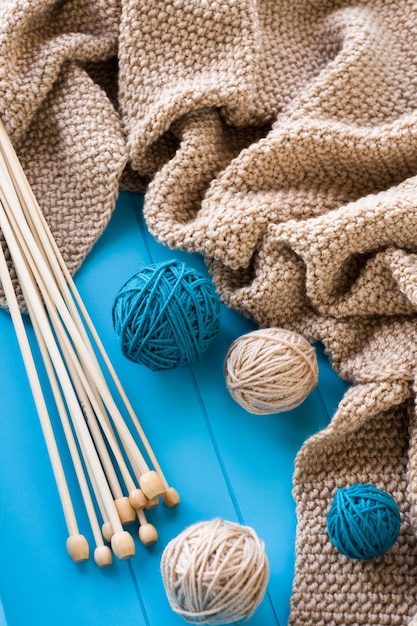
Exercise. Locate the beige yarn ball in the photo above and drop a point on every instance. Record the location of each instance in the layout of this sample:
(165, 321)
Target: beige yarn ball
(215, 572)
(270, 370)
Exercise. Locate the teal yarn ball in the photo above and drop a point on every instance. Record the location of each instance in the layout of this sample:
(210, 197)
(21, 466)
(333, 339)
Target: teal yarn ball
(166, 315)
(363, 521)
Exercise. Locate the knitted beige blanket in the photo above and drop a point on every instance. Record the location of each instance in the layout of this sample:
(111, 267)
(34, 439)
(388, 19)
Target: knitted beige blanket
(279, 139)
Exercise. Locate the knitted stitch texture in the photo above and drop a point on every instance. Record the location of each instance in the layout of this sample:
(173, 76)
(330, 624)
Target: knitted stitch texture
(59, 117)
(292, 131)
(280, 141)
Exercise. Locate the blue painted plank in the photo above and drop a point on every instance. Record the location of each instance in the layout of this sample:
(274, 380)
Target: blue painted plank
(256, 453)
(37, 578)
(169, 406)
(2, 615)
(224, 461)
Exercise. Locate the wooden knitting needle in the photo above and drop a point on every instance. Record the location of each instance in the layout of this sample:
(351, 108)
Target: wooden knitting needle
(92, 407)
(28, 200)
(102, 554)
(149, 537)
(149, 480)
(122, 542)
(147, 533)
(125, 548)
(123, 500)
(125, 510)
(77, 545)
(121, 503)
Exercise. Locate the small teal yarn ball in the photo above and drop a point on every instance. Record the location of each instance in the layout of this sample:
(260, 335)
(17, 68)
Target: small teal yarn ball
(363, 521)
(166, 315)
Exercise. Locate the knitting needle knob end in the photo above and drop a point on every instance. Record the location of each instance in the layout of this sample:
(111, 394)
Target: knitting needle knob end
(127, 513)
(151, 484)
(148, 534)
(77, 548)
(103, 556)
(123, 545)
(171, 497)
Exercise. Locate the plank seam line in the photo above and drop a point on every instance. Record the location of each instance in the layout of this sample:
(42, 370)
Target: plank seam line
(142, 228)
(139, 595)
(225, 473)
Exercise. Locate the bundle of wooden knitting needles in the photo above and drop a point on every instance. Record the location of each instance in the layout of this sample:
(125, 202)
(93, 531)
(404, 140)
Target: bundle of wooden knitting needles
(117, 471)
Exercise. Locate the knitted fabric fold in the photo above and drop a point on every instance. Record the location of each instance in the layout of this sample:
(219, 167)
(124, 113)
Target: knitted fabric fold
(307, 218)
(63, 124)
(279, 140)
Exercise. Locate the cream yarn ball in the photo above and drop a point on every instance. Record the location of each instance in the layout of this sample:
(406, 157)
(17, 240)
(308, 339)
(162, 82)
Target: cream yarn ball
(270, 370)
(215, 572)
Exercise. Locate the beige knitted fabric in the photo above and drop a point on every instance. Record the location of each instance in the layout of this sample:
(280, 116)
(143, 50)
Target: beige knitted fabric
(288, 132)
(280, 140)
(61, 121)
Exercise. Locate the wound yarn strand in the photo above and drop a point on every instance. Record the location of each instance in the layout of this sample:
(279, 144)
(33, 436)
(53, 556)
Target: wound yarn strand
(270, 370)
(215, 572)
(166, 315)
(363, 521)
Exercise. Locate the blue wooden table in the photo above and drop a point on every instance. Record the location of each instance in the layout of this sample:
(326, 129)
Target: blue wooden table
(224, 462)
